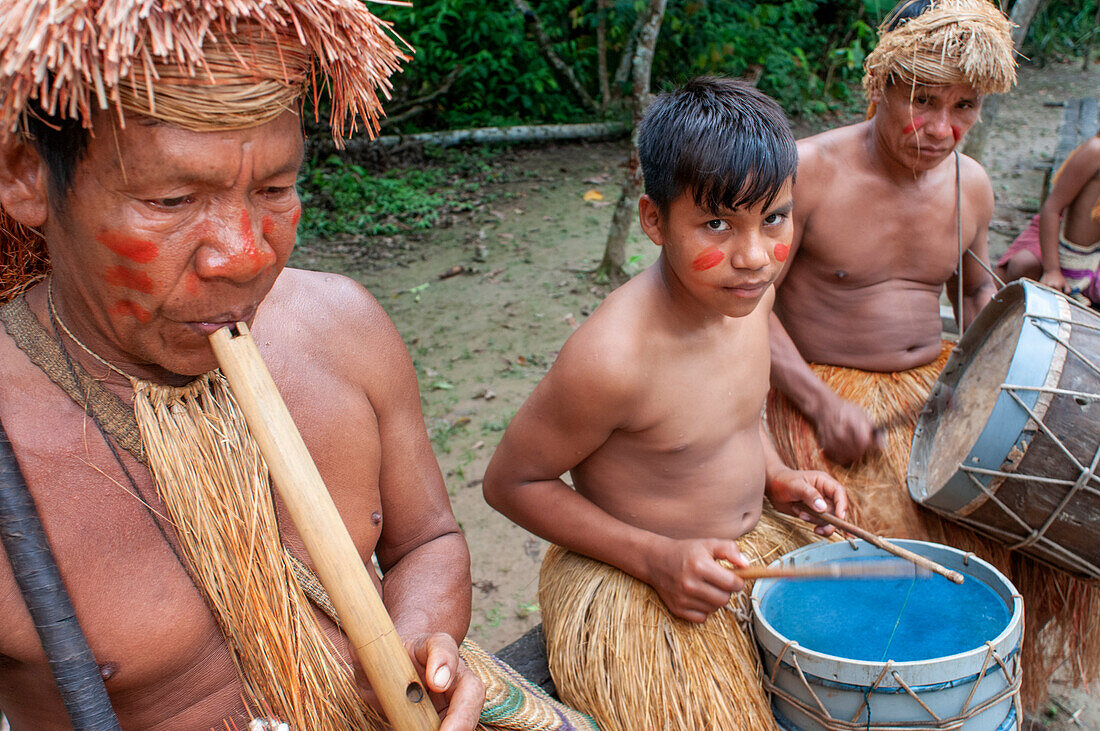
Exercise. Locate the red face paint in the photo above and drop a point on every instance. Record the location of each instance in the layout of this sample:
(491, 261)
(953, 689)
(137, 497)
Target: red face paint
(129, 247)
(191, 283)
(913, 126)
(128, 278)
(259, 258)
(267, 225)
(297, 215)
(129, 308)
(707, 260)
(956, 133)
(782, 251)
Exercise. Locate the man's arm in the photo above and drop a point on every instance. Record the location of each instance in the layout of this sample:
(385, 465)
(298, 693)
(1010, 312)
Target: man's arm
(843, 429)
(978, 287)
(797, 492)
(422, 553)
(587, 395)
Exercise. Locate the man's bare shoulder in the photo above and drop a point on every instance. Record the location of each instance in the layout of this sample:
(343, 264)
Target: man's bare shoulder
(831, 150)
(976, 185)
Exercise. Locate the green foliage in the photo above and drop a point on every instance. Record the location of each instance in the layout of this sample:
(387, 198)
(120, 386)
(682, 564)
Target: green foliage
(1061, 30)
(808, 53)
(341, 198)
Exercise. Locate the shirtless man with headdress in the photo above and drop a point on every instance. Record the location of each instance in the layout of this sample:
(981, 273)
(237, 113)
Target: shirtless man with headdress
(884, 210)
(158, 166)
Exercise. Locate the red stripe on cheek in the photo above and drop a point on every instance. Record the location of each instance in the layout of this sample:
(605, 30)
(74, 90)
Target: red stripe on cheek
(297, 215)
(707, 260)
(129, 308)
(267, 225)
(782, 251)
(129, 279)
(913, 126)
(191, 283)
(129, 247)
(956, 133)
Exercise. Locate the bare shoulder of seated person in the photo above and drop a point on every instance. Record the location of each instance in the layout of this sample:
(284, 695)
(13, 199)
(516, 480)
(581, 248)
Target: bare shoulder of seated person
(653, 405)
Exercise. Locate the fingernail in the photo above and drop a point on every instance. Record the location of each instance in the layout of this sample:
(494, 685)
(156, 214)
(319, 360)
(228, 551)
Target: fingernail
(442, 677)
(820, 505)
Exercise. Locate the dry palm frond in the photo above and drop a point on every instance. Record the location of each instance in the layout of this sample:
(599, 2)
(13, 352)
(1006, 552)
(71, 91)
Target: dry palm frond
(73, 56)
(617, 654)
(952, 42)
(213, 480)
(1060, 611)
(22, 257)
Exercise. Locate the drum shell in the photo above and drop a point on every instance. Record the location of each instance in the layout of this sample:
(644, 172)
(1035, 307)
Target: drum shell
(1030, 450)
(942, 684)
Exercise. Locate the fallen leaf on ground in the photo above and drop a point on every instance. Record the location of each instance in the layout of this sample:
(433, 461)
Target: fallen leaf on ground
(486, 394)
(454, 272)
(478, 444)
(598, 179)
(571, 321)
(593, 195)
(461, 421)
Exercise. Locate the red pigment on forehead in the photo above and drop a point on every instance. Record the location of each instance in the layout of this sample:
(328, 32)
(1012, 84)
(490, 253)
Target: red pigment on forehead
(129, 247)
(128, 278)
(707, 260)
(782, 251)
(913, 126)
(191, 282)
(956, 133)
(129, 308)
(267, 225)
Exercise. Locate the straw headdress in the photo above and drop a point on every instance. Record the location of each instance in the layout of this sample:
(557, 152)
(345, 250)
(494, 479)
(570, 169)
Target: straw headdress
(951, 42)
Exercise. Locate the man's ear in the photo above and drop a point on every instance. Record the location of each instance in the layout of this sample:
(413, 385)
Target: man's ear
(649, 216)
(24, 189)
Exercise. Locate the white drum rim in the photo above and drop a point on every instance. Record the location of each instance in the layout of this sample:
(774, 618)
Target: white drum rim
(863, 673)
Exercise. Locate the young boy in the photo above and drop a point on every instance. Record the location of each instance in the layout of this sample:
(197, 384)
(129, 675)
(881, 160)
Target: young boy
(1061, 248)
(654, 407)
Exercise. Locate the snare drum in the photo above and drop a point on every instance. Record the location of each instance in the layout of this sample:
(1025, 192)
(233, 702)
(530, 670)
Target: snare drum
(900, 653)
(1009, 441)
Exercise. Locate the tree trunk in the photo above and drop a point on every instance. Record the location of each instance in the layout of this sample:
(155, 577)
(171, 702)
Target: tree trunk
(614, 255)
(1023, 11)
(601, 53)
(562, 68)
(484, 135)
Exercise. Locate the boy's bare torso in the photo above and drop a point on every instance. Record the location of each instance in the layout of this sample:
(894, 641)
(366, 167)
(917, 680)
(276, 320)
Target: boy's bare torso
(166, 664)
(863, 290)
(688, 461)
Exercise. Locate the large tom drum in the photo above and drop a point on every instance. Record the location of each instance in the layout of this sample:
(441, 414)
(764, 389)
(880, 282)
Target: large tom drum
(1009, 441)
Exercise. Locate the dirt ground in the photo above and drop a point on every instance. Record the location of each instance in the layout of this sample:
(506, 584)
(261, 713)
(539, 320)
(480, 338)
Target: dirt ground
(482, 339)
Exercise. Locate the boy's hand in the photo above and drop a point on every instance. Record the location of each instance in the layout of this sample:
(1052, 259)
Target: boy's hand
(688, 578)
(805, 492)
(456, 692)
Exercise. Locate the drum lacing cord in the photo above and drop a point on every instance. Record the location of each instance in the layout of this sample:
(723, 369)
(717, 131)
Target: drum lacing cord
(821, 715)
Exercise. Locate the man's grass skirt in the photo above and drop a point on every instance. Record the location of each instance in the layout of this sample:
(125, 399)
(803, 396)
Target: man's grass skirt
(617, 654)
(1062, 614)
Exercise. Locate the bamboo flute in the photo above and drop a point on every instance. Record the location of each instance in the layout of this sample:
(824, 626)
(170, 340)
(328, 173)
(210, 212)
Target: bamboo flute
(362, 614)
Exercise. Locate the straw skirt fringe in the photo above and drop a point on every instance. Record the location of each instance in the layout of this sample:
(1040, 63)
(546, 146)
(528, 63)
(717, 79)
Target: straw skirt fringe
(618, 655)
(1062, 614)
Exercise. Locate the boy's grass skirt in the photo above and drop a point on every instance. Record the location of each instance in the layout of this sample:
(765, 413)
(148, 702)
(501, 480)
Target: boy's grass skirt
(1062, 613)
(617, 654)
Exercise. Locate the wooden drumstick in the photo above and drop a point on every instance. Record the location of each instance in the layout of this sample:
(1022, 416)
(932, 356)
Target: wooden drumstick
(362, 614)
(878, 570)
(885, 545)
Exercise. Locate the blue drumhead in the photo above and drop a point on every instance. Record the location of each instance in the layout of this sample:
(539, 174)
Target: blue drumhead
(875, 620)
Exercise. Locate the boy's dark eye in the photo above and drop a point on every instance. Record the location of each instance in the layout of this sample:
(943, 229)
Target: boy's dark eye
(717, 224)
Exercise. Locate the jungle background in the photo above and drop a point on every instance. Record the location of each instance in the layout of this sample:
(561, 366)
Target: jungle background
(488, 256)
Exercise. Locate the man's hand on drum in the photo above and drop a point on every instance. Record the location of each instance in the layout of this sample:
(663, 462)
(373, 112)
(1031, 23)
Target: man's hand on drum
(688, 577)
(457, 693)
(803, 493)
(844, 431)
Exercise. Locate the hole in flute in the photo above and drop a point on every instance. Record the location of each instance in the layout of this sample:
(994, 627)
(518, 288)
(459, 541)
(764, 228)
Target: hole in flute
(414, 693)
(234, 331)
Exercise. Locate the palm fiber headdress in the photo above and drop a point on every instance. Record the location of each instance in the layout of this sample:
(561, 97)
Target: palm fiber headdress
(951, 42)
(197, 64)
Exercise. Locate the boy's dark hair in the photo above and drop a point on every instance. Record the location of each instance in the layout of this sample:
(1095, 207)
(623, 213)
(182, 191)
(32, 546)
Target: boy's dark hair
(723, 140)
(61, 143)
